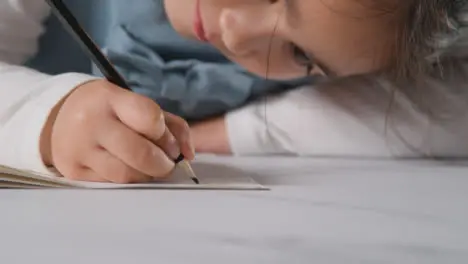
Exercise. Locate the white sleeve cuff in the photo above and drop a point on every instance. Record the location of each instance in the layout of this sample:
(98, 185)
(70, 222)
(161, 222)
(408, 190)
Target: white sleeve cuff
(23, 130)
(241, 126)
(250, 133)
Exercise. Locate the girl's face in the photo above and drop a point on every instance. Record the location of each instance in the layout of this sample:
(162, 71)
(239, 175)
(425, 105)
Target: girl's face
(285, 39)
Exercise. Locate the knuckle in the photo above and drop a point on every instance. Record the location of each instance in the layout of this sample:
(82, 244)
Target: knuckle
(82, 117)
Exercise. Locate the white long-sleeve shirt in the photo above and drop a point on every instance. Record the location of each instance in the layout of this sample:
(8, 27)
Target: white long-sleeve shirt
(303, 122)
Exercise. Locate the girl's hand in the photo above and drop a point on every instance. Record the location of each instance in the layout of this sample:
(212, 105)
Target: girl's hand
(103, 133)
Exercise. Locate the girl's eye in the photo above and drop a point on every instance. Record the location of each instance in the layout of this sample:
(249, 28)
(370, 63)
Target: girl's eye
(301, 58)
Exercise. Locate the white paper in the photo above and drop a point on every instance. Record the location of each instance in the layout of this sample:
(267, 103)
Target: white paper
(211, 177)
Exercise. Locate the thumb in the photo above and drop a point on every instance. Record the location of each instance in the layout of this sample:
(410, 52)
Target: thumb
(145, 117)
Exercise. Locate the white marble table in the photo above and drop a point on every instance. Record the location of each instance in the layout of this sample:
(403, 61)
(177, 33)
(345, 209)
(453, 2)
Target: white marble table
(318, 211)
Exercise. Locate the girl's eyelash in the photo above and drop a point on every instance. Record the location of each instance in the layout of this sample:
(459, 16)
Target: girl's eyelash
(301, 58)
(299, 55)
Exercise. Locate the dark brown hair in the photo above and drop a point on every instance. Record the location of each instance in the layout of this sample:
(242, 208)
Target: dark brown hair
(419, 22)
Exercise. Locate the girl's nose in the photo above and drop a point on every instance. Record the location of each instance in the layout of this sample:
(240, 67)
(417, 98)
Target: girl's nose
(248, 29)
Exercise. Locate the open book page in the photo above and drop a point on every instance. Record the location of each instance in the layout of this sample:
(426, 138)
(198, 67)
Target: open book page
(211, 177)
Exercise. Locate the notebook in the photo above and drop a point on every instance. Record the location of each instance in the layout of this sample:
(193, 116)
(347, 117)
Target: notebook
(211, 178)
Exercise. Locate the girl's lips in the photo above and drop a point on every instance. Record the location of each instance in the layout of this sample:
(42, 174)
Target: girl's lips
(198, 24)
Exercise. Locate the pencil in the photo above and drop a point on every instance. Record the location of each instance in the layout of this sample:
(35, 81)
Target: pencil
(72, 25)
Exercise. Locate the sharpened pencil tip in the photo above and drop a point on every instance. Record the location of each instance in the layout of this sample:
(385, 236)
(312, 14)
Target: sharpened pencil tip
(190, 171)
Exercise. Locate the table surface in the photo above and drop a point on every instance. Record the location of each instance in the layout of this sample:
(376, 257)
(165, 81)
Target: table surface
(318, 211)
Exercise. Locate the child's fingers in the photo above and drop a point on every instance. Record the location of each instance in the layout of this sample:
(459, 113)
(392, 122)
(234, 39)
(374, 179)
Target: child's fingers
(140, 114)
(145, 117)
(108, 167)
(181, 131)
(168, 143)
(134, 150)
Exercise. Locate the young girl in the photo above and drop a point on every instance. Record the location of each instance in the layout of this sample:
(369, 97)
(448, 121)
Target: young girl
(394, 69)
